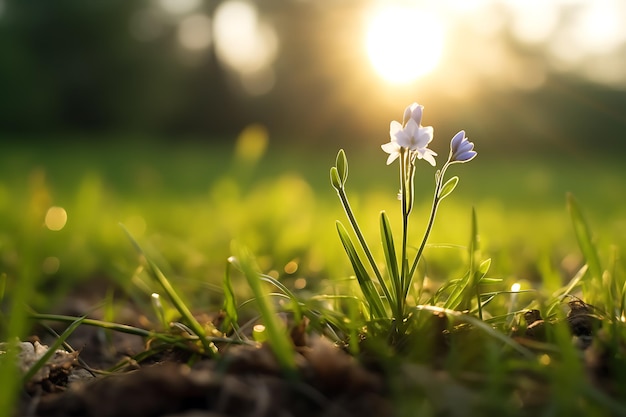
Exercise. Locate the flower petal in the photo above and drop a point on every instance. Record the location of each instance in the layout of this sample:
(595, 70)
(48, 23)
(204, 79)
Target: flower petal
(393, 149)
(424, 136)
(394, 127)
(427, 155)
(416, 113)
(390, 147)
(392, 157)
(456, 140)
(408, 113)
(461, 149)
(404, 137)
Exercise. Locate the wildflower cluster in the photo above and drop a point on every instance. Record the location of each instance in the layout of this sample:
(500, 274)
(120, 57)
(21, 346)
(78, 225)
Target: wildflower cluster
(408, 143)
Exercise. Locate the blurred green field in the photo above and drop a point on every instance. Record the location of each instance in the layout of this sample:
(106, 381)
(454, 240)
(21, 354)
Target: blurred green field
(186, 203)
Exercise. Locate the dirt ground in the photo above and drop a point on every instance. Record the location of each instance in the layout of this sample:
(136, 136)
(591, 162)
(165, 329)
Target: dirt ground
(247, 381)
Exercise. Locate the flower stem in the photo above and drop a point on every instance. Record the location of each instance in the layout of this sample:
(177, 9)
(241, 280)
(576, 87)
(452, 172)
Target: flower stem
(431, 221)
(401, 301)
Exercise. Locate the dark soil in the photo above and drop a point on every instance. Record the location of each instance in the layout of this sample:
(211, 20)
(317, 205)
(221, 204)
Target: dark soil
(247, 380)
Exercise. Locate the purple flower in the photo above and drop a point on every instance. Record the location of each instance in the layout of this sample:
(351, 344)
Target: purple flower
(461, 149)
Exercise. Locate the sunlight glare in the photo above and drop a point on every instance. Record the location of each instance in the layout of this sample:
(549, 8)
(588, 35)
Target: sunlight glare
(531, 27)
(404, 43)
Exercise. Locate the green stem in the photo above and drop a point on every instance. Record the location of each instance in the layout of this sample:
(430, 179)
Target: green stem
(357, 230)
(123, 328)
(405, 232)
(431, 222)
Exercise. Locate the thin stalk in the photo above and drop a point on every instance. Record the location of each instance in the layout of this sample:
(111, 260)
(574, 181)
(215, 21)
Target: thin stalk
(401, 300)
(123, 328)
(479, 324)
(51, 350)
(176, 300)
(279, 341)
(431, 222)
(355, 226)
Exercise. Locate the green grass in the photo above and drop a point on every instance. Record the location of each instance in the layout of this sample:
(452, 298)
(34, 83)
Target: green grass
(185, 205)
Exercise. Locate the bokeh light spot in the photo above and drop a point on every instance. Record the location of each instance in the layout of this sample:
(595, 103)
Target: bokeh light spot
(242, 41)
(56, 217)
(291, 267)
(194, 32)
(251, 143)
(299, 283)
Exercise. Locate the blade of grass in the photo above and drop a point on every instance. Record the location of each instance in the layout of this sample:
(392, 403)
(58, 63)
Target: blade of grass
(338, 178)
(392, 265)
(179, 304)
(455, 298)
(286, 292)
(365, 282)
(3, 284)
(583, 235)
(278, 339)
(124, 328)
(482, 326)
(297, 310)
(230, 304)
(573, 283)
(52, 349)
(473, 282)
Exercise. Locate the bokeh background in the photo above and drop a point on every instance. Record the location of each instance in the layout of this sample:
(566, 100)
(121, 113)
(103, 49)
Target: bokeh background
(197, 122)
(522, 75)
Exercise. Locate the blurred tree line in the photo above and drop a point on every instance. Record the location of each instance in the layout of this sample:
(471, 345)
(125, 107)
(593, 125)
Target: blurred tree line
(71, 66)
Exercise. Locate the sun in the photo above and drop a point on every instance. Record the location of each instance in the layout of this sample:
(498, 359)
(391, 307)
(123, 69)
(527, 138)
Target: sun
(403, 43)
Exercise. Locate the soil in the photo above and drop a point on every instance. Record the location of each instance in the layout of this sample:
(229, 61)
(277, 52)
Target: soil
(247, 381)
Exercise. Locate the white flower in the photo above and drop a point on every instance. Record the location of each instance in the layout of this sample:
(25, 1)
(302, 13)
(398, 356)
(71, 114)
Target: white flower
(413, 111)
(461, 149)
(412, 136)
(393, 149)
